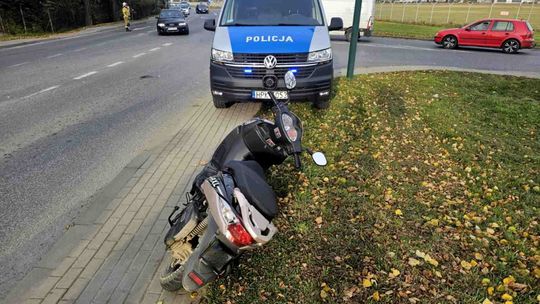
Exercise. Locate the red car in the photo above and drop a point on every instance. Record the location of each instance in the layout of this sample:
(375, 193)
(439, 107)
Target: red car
(510, 35)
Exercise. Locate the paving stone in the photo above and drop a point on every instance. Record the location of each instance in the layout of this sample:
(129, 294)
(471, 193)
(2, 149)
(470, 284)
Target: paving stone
(104, 250)
(54, 296)
(150, 298)
(69, 277)
(43, 288)
(76, 289)
(63, 267)
(85, 257)
(91, 268)
(98, 240)
(116, 234)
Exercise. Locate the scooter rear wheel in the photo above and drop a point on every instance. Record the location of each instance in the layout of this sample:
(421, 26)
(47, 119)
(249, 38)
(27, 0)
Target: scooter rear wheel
(171, 277)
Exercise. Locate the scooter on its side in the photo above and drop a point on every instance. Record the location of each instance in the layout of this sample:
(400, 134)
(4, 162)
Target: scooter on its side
(230, 207)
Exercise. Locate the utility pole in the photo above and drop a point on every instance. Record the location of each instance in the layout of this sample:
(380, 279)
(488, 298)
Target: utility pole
(22, 15)
(354, 38)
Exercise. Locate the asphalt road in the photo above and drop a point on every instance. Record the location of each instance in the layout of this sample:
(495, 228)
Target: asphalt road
(74, 112)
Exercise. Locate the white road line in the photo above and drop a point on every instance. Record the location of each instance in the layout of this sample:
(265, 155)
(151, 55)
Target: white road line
(42, 91)
(141, 34)
(139, 55)
(54, 56)
(167, 44)
(154, 49)
(141, 28)
(81, 49)
(150, 31)
(115, 64)
(85, 75)
(18, 64)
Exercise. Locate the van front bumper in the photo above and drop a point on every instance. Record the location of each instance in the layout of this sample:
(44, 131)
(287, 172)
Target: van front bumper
(317, 86)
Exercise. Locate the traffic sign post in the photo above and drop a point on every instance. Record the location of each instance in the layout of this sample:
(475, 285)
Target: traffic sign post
(354, 38)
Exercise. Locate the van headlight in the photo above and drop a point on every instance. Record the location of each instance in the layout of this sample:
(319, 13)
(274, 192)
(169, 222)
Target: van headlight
(161, 24)
(221, 56)
(320, 56)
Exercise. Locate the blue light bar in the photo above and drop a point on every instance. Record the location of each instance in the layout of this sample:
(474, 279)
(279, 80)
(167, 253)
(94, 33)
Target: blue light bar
(293, 70)
(248, 71)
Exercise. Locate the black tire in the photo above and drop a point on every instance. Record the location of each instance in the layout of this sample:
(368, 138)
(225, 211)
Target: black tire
(348, 35)
(322, 103)
(171, 278)
(449, 42)
(510, 46)
(186, 32)
(221, 103)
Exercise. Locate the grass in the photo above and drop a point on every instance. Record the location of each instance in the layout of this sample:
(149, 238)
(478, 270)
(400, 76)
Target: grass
(405, 30)
(431, 195)
(459, 13)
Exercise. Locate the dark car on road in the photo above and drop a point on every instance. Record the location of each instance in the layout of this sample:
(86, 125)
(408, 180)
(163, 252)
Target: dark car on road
(510, 35)
(201, 8)
(171, 21)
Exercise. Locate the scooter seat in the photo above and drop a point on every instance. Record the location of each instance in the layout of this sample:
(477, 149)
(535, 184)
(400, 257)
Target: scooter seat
(250, 179)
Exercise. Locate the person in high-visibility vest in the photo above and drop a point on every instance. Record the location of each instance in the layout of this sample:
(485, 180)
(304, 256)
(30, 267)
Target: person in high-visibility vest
(126, 13)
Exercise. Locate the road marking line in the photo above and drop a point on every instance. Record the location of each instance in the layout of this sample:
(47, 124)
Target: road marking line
(18, 64)
(139, 55)
(85, 75)
(167, 44)
(141, 34)
(54, 56)
(42, 91)
(154, 49)
(115, 64)
(151, 31)
(140, 28)
(81, 49)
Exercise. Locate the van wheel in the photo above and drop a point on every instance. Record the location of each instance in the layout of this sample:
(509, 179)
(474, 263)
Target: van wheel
(348, 34)
(322, 103)
(221, 103)
(511, 46)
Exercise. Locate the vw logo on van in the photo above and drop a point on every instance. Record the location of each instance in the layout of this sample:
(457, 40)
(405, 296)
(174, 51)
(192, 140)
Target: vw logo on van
(270, 61)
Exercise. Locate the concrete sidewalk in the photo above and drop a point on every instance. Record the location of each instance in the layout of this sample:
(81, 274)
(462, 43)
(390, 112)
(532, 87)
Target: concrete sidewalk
(114, 251)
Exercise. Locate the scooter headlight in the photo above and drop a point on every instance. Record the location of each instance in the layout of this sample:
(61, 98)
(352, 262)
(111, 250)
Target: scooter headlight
(320, 56)
(288, 125)
(221, 56)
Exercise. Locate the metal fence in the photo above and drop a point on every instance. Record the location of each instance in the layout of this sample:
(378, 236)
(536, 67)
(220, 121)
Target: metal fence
(456, 13)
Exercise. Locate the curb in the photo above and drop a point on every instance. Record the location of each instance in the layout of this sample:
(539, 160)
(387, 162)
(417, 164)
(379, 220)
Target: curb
(387, 69)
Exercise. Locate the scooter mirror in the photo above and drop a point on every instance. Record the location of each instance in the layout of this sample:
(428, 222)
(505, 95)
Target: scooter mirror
(319, 159)
(290, 80)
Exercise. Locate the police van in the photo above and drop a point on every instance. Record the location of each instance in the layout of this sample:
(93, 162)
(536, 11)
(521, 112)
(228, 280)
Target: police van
(257, 41)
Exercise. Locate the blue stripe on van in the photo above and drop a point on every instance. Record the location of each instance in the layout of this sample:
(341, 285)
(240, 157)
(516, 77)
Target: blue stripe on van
(271, 39)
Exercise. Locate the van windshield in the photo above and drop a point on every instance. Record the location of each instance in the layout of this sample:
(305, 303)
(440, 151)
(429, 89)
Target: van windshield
(272, 13)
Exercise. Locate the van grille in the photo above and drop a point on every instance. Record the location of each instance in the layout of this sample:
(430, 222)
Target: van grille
(258, 73)
(281, 58)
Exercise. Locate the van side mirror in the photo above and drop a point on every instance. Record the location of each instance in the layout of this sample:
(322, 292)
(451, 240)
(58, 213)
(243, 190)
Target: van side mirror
(336, 24)
(210, 25)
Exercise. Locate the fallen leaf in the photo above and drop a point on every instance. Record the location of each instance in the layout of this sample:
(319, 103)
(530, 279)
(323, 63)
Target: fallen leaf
(466, 265)
(318, 220)
(487, 301)
(394, 273)
(376, 296)
(367, 283)
(506, 297)
(414, 262)
(398, 212)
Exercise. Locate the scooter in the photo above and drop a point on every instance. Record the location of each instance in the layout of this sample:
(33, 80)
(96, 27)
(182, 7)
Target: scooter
(230, 207)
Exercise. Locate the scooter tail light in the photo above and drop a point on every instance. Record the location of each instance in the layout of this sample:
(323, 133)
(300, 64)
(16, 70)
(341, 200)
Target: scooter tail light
(192, 275)
(239, 236)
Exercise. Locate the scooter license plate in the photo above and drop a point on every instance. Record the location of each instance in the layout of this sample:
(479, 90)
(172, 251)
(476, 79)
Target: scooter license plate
(265, 95)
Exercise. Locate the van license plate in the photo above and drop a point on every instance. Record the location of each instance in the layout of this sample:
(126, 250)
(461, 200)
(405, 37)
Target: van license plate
(172, 29)
(265, 95)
